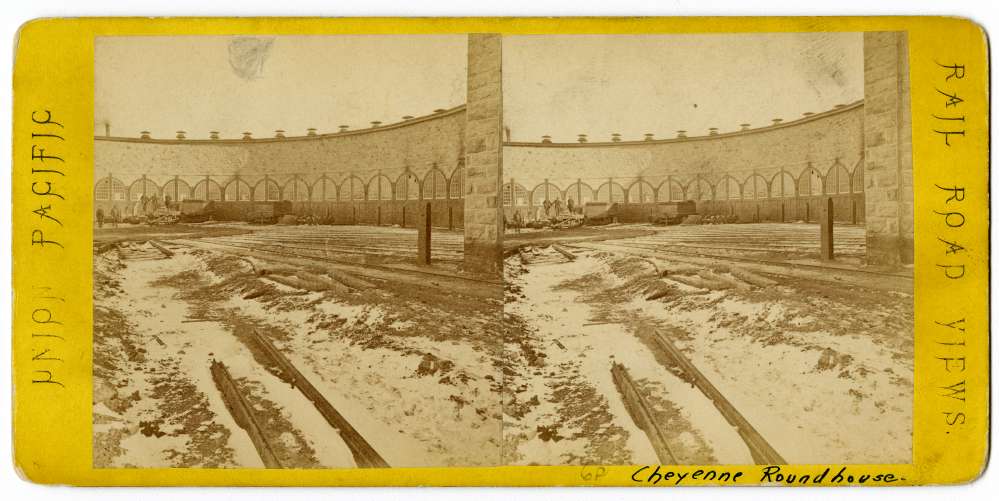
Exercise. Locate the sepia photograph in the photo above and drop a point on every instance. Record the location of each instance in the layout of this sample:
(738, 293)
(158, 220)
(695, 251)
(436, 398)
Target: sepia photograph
(462, 250)
(296, 258)
(709, 249)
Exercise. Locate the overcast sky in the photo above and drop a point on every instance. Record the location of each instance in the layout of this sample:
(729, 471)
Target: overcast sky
(560, 85)
(570, 84)
(199, 83)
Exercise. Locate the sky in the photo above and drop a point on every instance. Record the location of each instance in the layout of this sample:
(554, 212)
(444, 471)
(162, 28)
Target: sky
(558, 85)
(234, 84)
(566, 85)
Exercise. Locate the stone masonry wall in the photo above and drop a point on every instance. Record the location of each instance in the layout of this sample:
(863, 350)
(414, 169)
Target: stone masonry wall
(483, 150)
(887, 149)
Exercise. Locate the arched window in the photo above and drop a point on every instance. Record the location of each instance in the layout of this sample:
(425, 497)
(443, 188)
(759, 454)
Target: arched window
(700, 189)
(434, 185)
(782, 185)
(514, 195)
(641, 192)
(266, 190)
(545, 191)
(110, 190)
(610, 192)
(380, 188)
(353, 188)
(407, 187)
(237, 189)
(670, 191)
(858, 178)
(837, 179)
(457, 188)
(207, 189)
(579, 193)
(142, 186)
(295, 190)
(177, 190)
(324, 190)
(727, 189)
(754, 187)
(809, 182)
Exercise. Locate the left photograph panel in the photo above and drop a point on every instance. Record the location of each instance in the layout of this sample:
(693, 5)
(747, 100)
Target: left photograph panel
(297, 252)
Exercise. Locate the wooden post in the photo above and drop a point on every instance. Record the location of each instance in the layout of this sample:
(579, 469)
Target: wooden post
(450, 217)
(782, 212)
(826, 230)
(853, 210)
(423, 237)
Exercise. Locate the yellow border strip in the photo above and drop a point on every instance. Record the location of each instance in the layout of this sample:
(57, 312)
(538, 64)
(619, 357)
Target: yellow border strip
(52, 263)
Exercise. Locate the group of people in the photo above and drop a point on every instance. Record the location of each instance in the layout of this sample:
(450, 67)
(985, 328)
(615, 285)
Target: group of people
(113, 218)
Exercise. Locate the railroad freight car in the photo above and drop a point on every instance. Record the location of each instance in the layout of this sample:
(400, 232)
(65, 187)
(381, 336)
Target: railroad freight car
(251, 212)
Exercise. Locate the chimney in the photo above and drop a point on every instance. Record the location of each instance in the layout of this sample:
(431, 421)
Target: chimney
(214, 134)
(546, 139)
(375, 124)
(581, 138)
(247, 136)
(107, 129)
(311, 131)
(712, 131)
(777, 121)
(279, 134)
(615, 138)
(343, 128)
(744, 126)
(838, 106)
(807, 114)
(649, 136)
(506, 133)
(680, 134)
(407, 117)
(144, 134)
(181, 134)
(439, 110)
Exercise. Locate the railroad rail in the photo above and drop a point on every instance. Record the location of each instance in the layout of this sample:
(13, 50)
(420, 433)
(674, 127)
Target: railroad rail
(364, 454)
(640, 412)
(242, 413)
(761, 450)
(359, 268)
(651, 250)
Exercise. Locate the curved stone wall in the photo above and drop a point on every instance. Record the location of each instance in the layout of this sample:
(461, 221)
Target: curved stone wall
(777, 172)
(370, 175)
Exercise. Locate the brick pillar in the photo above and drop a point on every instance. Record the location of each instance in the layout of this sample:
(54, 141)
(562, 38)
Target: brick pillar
(483, 150)
(887, 149)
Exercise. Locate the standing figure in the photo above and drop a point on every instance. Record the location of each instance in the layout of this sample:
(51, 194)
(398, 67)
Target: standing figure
(100, 218)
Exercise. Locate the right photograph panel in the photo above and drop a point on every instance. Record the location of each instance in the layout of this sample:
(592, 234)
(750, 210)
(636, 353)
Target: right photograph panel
(708, 249)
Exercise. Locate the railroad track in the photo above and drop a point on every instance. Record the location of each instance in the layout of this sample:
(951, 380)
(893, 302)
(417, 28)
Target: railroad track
(647, 250)
(325, 246)
(243, 414)
(361, 269)
(639, 410)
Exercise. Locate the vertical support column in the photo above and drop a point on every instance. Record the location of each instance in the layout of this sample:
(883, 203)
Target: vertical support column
(423, 236)
(826, 230)
(888, 210)
(484, 154)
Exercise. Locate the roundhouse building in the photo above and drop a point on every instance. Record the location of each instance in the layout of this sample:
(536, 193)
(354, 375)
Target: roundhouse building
(778, 172)
(376, 175)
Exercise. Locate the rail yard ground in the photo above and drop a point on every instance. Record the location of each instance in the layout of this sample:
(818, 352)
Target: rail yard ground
(434, 366)
(817, 357)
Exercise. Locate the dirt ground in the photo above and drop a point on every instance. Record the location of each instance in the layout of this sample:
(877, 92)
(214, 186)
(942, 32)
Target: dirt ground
(433, 375)
(417, 376)
(824, 373)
